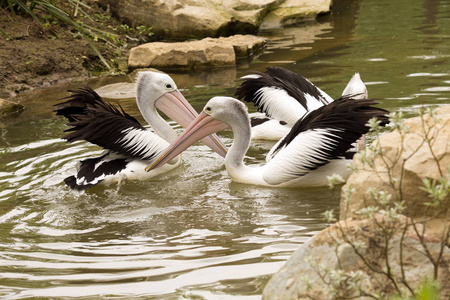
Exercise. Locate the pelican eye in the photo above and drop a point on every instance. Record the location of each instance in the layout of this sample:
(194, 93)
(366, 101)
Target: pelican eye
(208, 109)
(168, 86)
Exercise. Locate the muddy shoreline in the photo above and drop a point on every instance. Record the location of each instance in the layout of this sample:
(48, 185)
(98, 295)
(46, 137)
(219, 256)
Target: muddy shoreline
(33, 56)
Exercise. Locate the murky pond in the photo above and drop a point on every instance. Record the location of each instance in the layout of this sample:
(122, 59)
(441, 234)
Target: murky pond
(192, 233)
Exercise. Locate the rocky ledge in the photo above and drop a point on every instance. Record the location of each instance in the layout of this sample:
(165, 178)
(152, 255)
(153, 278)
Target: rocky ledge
(195, 54)
(213, 18)
(401, 161)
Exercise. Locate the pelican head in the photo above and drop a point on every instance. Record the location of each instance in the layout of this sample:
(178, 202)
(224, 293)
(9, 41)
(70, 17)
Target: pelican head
(157, 90)
(226, 109)
(218, 114)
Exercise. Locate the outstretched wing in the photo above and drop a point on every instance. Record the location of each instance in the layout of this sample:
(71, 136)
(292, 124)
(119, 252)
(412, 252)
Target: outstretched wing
(82, 100)
(281, 94)
(99, 122)
(322, 135)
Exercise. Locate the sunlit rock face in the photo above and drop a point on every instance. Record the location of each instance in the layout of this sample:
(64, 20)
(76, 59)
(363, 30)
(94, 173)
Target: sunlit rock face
(212, 18)
(349, 259)
(329, 267)
(404, 162)
(194, 54)
(292, 12)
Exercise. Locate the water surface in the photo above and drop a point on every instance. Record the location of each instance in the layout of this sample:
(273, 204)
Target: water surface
(192, 233)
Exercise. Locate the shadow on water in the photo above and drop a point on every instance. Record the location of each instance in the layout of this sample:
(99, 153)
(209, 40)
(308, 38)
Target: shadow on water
(193, 233)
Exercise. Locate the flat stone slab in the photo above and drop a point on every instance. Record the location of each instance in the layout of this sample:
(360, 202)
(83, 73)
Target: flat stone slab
(195, 54)
(121, 90)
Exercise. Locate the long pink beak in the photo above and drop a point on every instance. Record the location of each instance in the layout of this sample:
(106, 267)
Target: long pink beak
(202, 126)
(176, 107)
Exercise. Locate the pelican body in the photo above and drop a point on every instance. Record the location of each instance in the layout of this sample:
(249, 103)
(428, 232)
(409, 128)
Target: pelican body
(129, 146)
(315, 147)
(284, 97)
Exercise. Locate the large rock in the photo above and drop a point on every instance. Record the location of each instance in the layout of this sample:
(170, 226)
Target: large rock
(380, 251)
(213, 18)
(329, 264)
(194, 54)
(292, 12)
(404, 163)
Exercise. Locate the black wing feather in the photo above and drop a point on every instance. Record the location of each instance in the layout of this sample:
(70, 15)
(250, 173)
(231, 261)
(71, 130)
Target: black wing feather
(82, 101)
(92, 170)
(294, 84)
(100, 123)
(346, 118)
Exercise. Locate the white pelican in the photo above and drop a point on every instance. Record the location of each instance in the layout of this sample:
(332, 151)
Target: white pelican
(312, 150)
(284, 97)
(129, 146)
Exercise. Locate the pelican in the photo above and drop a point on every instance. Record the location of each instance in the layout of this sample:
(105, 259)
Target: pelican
(283, 97)
(312, 150)
(129, 146)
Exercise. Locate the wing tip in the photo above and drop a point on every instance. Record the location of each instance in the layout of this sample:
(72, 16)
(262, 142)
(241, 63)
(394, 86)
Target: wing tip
(71, 182)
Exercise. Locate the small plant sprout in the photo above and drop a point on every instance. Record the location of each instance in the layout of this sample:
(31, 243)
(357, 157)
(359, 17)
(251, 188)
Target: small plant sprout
(347, 193)
(396, 119)
(366, 157)
(334, 180)
(437, 190)
(368, 212)
(329, 216)
(374, 125)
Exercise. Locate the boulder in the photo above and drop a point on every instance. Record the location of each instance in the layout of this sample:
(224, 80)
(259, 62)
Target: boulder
(404, 163)
(329, 267)
(120, 90)
(213, 18)
(387, 249)
(292, 12)
(194, 54)
(10, 109)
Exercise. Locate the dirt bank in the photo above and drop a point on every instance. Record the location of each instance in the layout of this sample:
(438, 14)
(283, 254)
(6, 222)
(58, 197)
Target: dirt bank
(34, 56)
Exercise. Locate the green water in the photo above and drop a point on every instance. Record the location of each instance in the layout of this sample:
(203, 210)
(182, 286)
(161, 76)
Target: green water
(192, 233)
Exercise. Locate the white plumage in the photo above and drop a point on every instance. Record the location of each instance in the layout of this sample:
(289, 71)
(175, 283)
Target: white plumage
(284, 97)
(314, 148)
(129, 146)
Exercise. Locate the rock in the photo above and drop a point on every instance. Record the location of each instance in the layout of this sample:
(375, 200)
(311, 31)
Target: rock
(338, 262)
(351, 259)
(10, 109)
(121, 90)
(244, 45)
(194, 54)
(126, 90)
(418, 163)
(213, 18)
(292, 12)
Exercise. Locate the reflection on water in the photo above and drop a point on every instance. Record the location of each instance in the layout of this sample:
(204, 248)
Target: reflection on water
(192, 233)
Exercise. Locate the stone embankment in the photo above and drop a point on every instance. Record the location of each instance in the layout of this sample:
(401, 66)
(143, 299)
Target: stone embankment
(183, 19)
